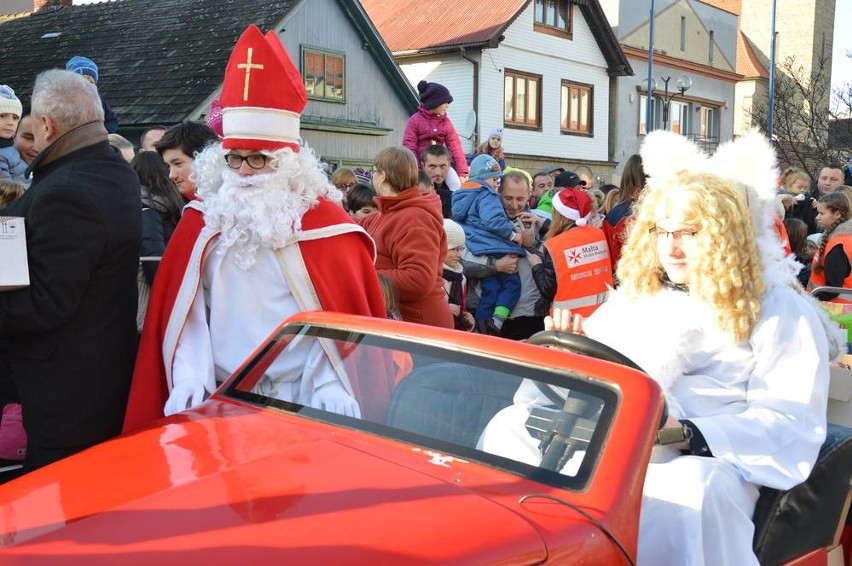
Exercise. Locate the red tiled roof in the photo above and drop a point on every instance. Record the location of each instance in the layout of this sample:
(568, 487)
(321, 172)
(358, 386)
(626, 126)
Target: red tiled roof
(732, 6)
(413, 25)
(748, 64)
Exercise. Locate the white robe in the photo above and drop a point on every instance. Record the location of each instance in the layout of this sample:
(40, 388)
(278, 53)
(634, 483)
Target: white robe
(760, 404)
(235, 312)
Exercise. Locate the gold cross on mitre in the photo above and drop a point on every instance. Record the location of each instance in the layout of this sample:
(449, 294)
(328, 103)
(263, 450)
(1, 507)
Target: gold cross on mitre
(248, 66)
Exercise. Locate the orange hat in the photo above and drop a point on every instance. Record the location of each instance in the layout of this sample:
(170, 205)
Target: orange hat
(262, 96)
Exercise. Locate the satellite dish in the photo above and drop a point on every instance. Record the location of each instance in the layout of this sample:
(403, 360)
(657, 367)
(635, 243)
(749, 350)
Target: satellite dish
(469, 128)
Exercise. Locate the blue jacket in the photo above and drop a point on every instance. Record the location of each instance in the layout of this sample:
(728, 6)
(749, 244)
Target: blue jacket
(11, 164)
(487, 229)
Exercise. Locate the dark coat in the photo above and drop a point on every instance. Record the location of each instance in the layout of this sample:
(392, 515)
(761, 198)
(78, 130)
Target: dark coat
(72, 332)
(157, 229)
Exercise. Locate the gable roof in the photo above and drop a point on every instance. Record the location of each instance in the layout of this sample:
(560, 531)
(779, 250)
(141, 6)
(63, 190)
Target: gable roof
(411, 26)
(160, 61)
(748, 64)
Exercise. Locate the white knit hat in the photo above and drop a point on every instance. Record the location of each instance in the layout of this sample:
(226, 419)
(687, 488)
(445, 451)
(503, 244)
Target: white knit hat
(455, 234)
(9, 103)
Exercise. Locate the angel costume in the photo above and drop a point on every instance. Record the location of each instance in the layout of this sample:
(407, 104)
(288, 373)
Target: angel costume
(759, 405)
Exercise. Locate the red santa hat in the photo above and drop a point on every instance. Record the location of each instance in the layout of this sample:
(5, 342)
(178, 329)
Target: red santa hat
(262, 96)
(574, 204)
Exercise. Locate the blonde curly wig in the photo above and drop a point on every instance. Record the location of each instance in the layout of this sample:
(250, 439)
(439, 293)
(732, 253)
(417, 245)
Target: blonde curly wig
(723, 261)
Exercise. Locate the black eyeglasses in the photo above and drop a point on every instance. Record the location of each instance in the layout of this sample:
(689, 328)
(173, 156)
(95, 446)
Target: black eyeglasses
(255, 160)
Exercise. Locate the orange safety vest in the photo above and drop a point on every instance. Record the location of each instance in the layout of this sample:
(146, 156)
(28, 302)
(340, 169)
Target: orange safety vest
(818, 279)
(583, 270)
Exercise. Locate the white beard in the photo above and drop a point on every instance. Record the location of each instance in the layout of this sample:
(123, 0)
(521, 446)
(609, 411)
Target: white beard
(259, 211)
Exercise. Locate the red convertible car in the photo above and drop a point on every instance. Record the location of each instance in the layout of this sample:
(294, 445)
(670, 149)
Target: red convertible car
(248, 478)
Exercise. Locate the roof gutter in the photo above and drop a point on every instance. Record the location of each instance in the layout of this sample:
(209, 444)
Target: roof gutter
(475, 64)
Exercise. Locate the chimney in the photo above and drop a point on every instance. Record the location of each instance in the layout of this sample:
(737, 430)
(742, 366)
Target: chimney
(44, 5)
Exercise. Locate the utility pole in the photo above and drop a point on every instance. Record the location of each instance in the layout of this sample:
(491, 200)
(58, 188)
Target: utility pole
(649, 102)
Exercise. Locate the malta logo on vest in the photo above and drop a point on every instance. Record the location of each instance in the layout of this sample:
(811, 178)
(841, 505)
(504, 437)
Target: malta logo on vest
(587, 253)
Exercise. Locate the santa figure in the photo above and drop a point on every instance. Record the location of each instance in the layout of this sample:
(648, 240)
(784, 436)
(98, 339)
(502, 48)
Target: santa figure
(267, 239)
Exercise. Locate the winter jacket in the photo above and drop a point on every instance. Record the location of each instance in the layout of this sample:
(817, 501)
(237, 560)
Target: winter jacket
(545, 203)
(426, 128)
(73, 330)
(410, 247)
(110, 119)
(487, 229)
(804, 210)
(11, 164)
(615, 227)
(157, 227)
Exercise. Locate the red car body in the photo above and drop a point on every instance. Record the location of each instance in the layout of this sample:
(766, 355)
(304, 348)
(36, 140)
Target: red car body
(232, 481)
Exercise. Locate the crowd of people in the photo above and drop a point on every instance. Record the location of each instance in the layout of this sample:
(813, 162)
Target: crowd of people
(241, 227)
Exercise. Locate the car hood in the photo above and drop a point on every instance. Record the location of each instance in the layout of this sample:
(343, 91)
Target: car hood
(235, 486)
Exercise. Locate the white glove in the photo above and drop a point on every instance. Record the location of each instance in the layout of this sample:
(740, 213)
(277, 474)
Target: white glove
(185, 394)
(333, 398)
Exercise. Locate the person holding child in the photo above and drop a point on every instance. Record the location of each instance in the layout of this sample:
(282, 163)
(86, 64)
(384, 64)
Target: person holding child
(430, 125)
(478, 208)
(12, 165)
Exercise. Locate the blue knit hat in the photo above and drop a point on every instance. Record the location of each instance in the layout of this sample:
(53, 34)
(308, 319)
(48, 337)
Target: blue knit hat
(484, 167)
(433, 95)
(82, 66)
(9, 103)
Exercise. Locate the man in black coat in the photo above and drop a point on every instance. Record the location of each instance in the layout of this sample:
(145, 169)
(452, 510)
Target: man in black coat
(73, 330)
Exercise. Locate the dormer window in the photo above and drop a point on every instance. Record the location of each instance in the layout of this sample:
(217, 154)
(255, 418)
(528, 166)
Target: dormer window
(554, 17)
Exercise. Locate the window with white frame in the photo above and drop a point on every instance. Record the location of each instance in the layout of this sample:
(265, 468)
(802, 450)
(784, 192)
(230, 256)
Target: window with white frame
(679, 117)
(708, 122)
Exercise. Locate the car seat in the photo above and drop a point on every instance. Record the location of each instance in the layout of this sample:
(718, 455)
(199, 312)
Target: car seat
(812, 514)
(449, 401)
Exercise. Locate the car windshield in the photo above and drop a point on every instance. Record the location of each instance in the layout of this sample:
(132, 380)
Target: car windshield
(539, 422)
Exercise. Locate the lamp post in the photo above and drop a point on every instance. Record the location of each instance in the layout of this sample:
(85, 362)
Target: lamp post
(683, 83)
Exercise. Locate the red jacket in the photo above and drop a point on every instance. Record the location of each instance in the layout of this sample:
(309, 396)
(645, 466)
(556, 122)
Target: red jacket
(410, 249)
(426, 128)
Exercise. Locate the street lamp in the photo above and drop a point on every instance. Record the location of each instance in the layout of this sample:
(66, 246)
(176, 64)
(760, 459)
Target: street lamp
(683, 83)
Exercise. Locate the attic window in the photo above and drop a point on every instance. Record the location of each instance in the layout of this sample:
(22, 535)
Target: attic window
(51, 34)
(554, 17)
(324, 73)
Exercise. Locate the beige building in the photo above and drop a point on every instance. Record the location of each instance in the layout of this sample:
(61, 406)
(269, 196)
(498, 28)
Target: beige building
(804, 31)
(692, 38)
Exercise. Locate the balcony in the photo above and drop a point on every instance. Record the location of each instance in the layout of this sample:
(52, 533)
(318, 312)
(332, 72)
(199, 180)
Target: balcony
(708, 144)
